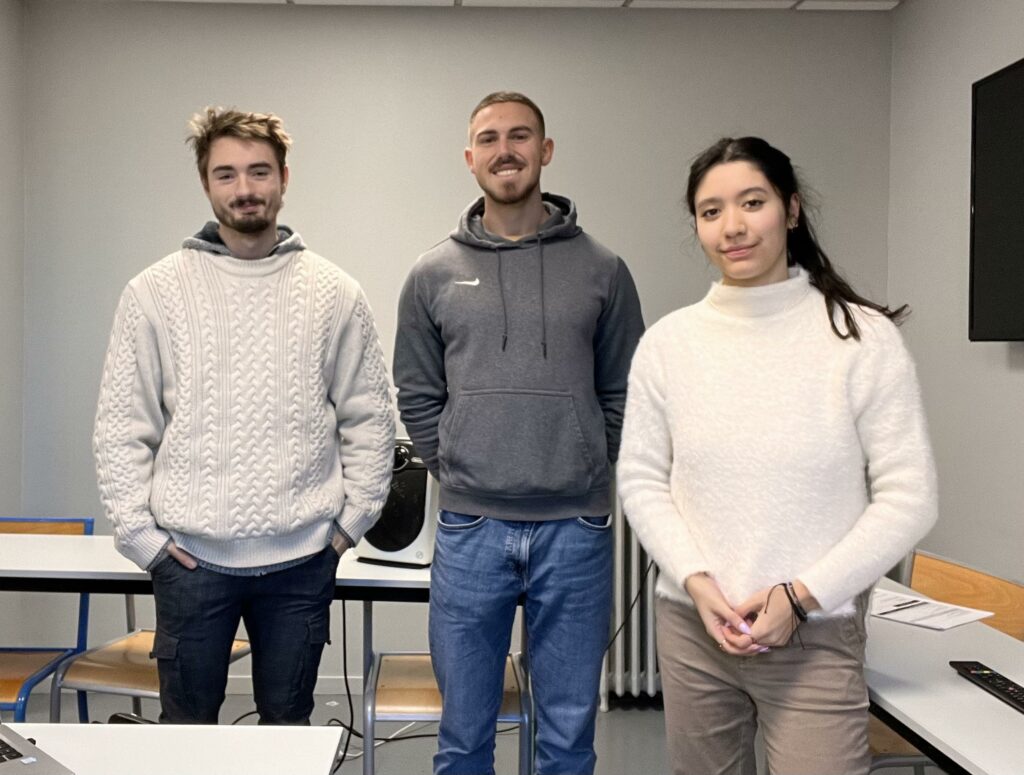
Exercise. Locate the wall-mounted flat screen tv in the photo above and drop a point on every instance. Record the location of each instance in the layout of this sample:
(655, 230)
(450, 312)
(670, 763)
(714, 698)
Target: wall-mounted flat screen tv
(997, 207)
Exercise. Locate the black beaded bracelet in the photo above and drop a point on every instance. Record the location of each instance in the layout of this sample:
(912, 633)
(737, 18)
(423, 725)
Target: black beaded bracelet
(794, 601)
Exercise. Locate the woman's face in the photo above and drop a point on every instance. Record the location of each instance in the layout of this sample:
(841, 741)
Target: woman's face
(742, 222)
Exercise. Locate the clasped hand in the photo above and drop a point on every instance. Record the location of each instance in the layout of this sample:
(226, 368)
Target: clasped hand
(763, 620)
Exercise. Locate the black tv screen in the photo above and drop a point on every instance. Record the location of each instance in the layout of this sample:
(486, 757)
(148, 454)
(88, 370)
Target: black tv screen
(997, 207)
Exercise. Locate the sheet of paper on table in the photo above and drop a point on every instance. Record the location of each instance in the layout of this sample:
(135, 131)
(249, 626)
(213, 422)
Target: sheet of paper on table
(921, 611)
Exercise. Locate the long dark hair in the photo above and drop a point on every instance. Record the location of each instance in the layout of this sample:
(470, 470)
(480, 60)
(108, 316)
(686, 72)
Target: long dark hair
(801, 242)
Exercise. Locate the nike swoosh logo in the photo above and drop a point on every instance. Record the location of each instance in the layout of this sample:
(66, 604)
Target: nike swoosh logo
(474, 281)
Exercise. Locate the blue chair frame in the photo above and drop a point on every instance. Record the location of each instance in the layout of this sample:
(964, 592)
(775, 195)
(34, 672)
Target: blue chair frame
(62, 652)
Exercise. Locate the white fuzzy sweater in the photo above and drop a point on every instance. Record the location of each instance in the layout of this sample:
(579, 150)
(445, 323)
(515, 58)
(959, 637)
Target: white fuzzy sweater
(759, 447)
(244, 406)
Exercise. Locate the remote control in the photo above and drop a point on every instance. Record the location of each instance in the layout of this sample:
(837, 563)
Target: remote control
(988, 679)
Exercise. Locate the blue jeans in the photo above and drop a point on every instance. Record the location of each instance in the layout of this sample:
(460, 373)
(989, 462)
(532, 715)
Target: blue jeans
(286, 615)
(563, 570)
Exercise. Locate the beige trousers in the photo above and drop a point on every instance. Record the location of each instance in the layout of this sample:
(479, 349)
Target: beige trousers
(810, 702)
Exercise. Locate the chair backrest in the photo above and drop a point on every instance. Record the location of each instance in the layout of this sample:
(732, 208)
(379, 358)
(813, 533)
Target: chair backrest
(76, 526)
(958, 584)
(57, 526)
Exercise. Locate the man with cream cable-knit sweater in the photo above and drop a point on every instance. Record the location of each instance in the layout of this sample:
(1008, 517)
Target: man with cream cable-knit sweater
(244, 435)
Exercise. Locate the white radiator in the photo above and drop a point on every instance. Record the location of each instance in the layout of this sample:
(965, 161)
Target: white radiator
(631, 664)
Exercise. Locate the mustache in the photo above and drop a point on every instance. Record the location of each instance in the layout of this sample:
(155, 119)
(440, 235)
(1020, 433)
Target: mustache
(242, 201)
(507, 159)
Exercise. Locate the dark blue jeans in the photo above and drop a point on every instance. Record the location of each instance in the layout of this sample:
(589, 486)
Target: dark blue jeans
(563, 569)
(286, 615)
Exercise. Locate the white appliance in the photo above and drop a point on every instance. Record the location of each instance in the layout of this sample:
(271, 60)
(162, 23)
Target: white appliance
(404, 534)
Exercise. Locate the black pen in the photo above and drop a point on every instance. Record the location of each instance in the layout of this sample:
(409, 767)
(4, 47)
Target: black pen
(902, 606)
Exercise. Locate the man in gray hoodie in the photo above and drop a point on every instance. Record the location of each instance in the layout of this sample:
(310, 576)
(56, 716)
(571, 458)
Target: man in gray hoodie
(514, 340)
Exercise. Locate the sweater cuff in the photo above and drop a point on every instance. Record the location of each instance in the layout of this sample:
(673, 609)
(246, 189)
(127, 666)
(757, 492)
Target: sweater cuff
(143, 546)
(833, 601)
(354, 522)
(680, 572)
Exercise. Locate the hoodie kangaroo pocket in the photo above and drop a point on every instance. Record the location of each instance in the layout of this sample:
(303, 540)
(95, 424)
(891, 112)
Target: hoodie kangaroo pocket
(516, 443)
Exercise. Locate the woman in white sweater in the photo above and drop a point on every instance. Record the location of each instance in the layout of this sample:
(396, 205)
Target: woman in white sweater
(775, 463)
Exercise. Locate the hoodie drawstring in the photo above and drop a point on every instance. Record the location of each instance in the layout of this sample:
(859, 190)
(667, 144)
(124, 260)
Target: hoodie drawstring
(543, 309)
(504, 305)
(543, 306)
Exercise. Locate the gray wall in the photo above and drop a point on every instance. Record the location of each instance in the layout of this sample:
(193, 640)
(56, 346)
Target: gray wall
(12, 248)
(974, 390)
(21, 608)
(377, 99)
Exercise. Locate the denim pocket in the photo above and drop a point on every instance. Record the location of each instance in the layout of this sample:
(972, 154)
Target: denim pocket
(159, 566)
(164, 646)
(318, 630)
(853, 631)
(330, 555)
(452, 520)
(597, 524)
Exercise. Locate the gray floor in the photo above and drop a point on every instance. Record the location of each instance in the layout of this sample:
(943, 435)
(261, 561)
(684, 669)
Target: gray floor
(630, 741)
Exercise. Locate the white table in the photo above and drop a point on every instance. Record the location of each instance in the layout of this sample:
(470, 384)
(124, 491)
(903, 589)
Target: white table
(164, 749)
(912, 687)
(58, 563)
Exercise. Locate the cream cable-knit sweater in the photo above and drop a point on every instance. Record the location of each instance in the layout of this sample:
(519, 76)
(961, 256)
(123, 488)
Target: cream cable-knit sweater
(748, 428)
(244, 406)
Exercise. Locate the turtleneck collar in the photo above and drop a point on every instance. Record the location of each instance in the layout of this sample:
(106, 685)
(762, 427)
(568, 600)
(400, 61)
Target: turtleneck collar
(761, 300)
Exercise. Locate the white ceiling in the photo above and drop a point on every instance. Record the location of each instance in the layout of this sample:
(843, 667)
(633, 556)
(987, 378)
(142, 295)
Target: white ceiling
(794, 5)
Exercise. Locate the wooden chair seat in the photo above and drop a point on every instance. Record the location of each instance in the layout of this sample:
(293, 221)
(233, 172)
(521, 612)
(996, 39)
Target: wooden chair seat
(402, 687)
(122, 666)
(23, 668)
(884, 742)
(18, 666)
(406, 687)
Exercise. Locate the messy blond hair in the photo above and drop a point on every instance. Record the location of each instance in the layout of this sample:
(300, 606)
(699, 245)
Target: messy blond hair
(213, 123)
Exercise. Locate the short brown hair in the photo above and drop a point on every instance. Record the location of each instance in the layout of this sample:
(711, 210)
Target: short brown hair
(213, 123)
(509, 96)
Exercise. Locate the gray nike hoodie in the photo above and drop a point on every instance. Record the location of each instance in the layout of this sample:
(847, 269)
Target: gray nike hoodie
(511, 361)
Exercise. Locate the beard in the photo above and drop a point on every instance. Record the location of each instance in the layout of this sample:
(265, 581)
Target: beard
(243, 223)
(508, 194)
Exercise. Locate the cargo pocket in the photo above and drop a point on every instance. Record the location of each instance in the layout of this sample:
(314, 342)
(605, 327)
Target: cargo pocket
(164, 646)
(177, 691)
(318, 634)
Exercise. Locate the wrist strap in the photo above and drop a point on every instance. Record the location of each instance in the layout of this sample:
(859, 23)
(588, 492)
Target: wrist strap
(794, 601)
